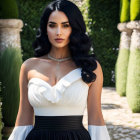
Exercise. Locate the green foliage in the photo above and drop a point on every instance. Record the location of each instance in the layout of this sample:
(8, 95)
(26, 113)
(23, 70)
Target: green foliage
(135, 10)
(121, 71)
(10, 63)
(124, 10)
(1, 123)
(8, 9)
(133, 81)
(31, 19)
(84, 9)
(105, 36)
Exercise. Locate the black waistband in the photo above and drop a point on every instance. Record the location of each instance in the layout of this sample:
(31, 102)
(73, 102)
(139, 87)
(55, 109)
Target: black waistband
(58, 122)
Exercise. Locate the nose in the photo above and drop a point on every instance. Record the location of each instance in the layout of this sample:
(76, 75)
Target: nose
(58, 31)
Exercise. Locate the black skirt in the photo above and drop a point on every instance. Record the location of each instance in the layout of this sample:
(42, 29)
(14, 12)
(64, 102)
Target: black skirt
(58, 128)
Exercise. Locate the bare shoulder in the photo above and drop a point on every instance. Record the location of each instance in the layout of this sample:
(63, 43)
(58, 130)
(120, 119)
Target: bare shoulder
(99, 74)
(28, 63)
(30, 60)
(98, 69)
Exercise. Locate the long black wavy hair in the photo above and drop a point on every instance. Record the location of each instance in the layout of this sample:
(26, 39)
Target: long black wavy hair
(80, 43)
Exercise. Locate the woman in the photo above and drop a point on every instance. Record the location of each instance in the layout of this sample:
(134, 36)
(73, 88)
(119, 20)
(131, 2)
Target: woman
(58, 83)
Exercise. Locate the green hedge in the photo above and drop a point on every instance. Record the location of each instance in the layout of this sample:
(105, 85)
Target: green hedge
(30, 12)
(105, 17)
(11, 60)
(1, 123)
(8, 9)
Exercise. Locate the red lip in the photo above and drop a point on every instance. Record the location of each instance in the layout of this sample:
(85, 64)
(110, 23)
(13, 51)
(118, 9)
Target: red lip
(59, 39)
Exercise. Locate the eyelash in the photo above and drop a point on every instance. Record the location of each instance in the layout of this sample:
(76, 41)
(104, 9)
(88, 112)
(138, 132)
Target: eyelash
(66, 25)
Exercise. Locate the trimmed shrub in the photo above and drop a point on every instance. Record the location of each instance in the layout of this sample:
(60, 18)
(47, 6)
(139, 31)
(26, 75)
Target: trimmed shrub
(133, 84)
(10, 63)
(1, 123)
(121, 71)
(8, 9)
(135, 10)
(133, 80)
(123, 56)
(124, 10)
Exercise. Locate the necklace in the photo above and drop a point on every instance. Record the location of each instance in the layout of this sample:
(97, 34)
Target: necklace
(58, 60)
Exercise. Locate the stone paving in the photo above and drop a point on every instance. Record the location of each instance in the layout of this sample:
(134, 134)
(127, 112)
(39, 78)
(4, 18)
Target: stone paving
(122, 124)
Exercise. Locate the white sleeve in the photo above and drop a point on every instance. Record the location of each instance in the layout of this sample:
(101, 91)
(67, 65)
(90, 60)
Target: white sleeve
(98, 132)
(20, 132)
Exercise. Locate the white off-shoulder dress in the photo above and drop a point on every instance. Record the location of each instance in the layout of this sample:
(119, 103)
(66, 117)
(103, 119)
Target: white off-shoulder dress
(59, 111)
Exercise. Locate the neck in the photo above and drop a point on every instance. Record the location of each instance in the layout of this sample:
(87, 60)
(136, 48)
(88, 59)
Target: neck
(59, 53)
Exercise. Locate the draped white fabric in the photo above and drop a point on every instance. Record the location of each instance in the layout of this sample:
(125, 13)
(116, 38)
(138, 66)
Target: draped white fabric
(98, 132)
(67, 97)
(20, 132)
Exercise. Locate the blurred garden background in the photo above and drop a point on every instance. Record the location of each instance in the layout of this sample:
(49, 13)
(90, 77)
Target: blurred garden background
(114, 27)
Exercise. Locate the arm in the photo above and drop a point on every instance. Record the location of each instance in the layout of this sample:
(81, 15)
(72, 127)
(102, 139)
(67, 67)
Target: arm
(24, 120)
(96, 125)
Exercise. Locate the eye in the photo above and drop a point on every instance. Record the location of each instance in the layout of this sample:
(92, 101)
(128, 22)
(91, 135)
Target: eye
(51, 25)
(66, 25)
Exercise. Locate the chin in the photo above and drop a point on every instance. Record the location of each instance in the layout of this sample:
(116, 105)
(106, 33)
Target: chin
(60, 45)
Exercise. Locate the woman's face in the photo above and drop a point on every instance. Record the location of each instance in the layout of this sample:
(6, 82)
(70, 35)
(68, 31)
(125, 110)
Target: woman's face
(58, 27)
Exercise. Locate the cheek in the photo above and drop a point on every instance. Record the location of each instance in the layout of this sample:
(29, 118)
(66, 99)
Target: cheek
(51, 36)
(50, 32)
(68, 33)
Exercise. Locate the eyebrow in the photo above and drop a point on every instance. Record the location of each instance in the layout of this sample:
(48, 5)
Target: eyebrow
(55, 23)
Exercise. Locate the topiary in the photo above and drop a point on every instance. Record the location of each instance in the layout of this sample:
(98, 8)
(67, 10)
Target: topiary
(10, 63)
(135, 10)
(124, 10)
(8, 9)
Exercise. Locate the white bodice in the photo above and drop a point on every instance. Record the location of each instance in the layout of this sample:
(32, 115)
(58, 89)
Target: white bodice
(67, 97)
